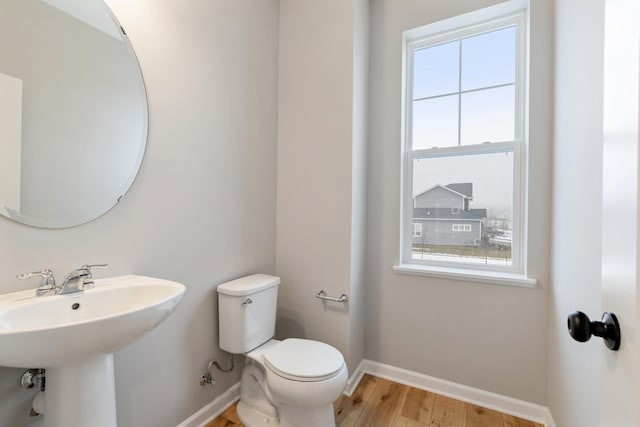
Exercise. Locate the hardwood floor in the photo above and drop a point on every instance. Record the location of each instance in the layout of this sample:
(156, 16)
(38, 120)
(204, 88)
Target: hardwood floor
(227, 418)
(381, 403)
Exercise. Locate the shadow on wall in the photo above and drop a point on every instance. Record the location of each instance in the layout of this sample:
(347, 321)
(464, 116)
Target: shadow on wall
(289, 324)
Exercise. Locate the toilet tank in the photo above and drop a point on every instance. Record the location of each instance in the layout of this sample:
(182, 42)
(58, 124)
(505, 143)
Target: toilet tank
(247, 312)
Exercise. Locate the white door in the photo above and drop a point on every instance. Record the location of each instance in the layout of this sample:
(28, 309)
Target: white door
(620, 392)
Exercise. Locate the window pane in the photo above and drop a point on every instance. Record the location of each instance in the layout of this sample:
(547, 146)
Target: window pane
(489, 59)
(465, 206)
(436, 70)
(435, 122)
(488, 116)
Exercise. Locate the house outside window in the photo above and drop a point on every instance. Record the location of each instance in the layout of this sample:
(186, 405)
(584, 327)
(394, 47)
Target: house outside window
(464, 146)
(417, 229)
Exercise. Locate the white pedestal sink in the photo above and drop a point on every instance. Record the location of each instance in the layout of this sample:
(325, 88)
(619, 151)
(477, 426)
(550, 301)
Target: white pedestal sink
(74, 337)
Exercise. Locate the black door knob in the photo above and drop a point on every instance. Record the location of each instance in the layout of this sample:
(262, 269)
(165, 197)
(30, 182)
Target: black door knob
(581, 328)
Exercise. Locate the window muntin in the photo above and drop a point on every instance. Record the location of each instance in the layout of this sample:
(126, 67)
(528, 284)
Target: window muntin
(469, 134)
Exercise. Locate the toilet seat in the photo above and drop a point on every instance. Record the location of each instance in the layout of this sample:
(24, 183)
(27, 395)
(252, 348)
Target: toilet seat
(304, 360)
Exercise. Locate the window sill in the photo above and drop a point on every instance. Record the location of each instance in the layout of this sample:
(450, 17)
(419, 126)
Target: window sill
(480, 276)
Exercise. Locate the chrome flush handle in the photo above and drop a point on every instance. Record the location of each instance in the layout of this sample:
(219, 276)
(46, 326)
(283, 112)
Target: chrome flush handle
(247, 302)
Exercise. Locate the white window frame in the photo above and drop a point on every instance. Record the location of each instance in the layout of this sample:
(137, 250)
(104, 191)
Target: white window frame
(438, 33)
(460, 227)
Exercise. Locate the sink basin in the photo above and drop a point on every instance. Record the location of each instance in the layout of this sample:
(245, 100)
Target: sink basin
(55, 330)
(74, 337)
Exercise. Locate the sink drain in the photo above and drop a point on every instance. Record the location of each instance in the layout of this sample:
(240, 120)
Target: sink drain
(75, 306)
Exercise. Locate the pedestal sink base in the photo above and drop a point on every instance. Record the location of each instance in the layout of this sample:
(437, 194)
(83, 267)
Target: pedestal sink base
(82, 394)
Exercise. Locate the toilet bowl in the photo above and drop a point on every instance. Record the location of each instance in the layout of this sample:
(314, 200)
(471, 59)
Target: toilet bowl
(289, 383)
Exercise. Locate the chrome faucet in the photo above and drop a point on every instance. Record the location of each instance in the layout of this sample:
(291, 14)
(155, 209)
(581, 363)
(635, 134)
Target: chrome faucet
(77, 280)
(48, 283)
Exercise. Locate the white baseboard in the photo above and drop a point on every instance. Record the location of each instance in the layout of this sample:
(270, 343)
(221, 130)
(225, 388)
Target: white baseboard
(548, 418)
(508, 405)
(212, 410)
(355, 377)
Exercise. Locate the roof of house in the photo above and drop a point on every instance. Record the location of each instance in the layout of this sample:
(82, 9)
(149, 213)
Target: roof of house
(447, 213)
(464, 189)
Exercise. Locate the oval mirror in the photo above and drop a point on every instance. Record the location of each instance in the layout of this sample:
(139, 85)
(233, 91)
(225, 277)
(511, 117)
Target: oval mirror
(73, 111)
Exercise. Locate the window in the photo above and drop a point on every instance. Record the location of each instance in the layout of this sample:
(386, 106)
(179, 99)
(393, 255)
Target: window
(417, 229)
(460, 227)
(464, 146)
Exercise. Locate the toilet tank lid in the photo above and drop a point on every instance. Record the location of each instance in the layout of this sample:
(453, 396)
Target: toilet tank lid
(248, 285)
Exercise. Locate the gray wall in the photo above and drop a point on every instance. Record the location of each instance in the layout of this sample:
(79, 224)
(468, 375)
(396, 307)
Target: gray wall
(321, 171)
(202, 210)
(577, 183)
(486, 336)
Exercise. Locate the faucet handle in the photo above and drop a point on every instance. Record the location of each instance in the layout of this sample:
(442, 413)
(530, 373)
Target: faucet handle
(87, 267)
(47, 284)
(47, 276)
(90, 266)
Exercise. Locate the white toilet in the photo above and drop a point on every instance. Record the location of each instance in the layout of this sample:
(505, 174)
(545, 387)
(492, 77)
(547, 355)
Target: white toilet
(290, 383)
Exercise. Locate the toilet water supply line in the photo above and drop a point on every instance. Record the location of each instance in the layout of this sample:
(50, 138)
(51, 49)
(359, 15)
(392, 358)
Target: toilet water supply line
(207, 377)
(28, 380)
